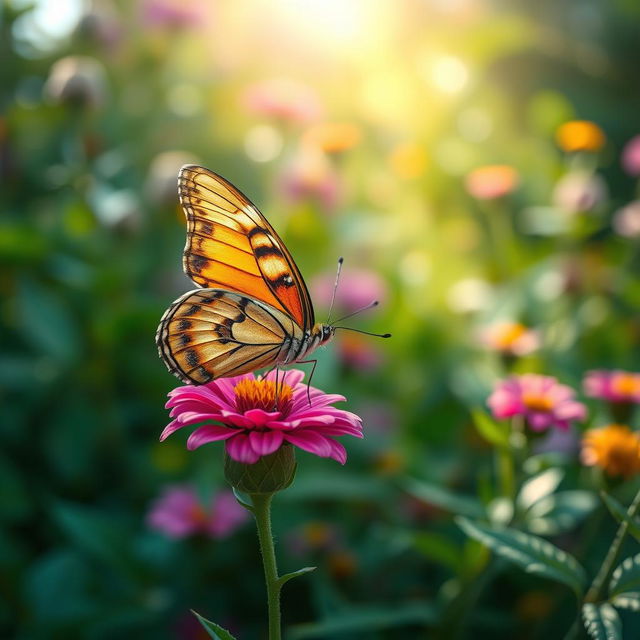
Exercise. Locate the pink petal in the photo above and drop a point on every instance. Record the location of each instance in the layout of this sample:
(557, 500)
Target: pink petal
(209, 433)
(338, 452)
(236, 419)
(174, 425)
(265, 442)
(239, 448)
(539, 421)
(259, 417)
(309, 441)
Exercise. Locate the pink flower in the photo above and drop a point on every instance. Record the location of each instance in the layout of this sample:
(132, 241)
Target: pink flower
(178, 513)
(613, 386)
(626, 221)
(173, 13)
(357, 288)
(631, 157)
(541, 400)
(284, 99)
(310, 176)
(492, 181)
(579, 192)
(255, 419)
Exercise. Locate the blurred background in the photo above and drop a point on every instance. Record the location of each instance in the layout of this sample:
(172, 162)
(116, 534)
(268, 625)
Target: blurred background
(472, 160)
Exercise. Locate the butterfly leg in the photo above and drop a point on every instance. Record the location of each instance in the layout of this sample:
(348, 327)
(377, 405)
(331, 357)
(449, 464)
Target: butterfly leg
(313, 369)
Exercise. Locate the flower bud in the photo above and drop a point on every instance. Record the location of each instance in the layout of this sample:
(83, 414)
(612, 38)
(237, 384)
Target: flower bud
(269, 474)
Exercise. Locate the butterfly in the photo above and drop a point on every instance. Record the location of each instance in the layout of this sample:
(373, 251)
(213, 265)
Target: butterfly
(252, 309)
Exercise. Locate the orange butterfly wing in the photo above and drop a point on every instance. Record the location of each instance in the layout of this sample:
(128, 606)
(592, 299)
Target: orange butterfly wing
(230, 245)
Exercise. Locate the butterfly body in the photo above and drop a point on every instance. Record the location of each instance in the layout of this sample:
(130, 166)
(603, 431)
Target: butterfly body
(252, 309)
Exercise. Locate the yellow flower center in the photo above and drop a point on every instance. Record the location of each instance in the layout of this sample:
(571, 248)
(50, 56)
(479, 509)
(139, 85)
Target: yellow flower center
(262, 394)
(626, 384)
(537, 402)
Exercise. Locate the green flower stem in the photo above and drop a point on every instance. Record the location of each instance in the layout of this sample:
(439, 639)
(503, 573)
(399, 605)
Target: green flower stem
(602, 579)
(262, 513)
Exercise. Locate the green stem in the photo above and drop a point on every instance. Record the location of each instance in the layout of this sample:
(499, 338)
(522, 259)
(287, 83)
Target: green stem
(262, 513)
(602, 579)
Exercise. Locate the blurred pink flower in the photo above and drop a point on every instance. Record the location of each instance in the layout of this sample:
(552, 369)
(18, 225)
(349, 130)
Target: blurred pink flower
(541, 400)
(631, 157)
(173, 13)
(246, 412)
(492, 181)
(310, 176)
(579, 191)
(626, 221)
(356, 289)
(511, 338)
(284, 99)
(613, 386)
(358, 352)
(178, 513)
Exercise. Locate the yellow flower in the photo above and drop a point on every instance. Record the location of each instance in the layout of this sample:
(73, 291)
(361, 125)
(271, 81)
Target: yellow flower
(333, 137)
(580, 135)
(614, 448)
(408, 160)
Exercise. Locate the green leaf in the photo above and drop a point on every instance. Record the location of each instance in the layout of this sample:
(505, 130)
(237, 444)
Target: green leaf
(492, 431)
(626, 577)
(560, 512)
(533, 554)
(601, 621)
(359, 620)
(628, 600)
(439, 548)
(621, 515)
(214, 630)
(539, 486)
(463, 505)
(294, 574)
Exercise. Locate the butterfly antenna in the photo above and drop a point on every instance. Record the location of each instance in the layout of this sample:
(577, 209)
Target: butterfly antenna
(366, 307)
(366, 333)
(335, 288)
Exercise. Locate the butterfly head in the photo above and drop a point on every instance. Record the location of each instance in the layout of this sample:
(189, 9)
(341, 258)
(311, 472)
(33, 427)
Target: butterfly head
(326, 332)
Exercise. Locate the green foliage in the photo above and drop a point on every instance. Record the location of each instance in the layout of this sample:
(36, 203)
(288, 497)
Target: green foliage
(621, 515)
(214, 630)
(602, 621)
(531, 553)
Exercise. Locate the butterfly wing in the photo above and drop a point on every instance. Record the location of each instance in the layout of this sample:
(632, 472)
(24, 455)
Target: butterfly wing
(231, 246)
(212, 333)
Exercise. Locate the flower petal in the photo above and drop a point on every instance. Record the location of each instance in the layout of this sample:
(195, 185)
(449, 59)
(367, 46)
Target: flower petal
(209, 433)
(310, 441)
(265, 442)
(239, 448)
(259, 417)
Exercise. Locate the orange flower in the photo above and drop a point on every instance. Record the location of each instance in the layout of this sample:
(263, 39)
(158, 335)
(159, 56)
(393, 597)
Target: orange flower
(614, 448)
(492, 181)
(511, 337)
(580, 135)
(333, 137)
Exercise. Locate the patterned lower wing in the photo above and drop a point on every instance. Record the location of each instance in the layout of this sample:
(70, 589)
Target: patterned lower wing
(213, 333)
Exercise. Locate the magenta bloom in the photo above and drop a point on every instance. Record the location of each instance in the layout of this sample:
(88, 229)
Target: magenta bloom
(254, 421)
(631, 157)
(541, 400)
(178, 513)
(357, 288)
(613, 386)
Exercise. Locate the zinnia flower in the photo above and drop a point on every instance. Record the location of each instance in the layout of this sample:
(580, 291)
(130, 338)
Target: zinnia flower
(511, 338)
(613, 386)
(615, 448)
(580, 135)
(178, 513)
(541, 400)
(492, 182)
(255, 418)
(631, 157)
